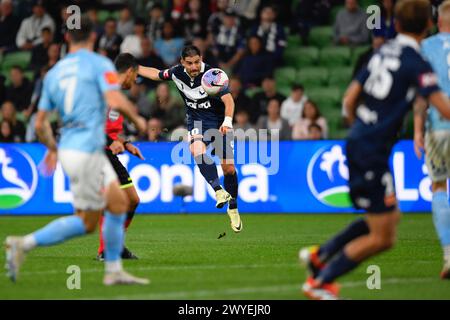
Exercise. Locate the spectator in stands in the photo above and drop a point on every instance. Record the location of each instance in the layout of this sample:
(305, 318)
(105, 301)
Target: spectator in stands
(255, 65)
(125, 25)
(315, 132)
(215, 19)
(168, 47)
(6, 135)
(247, 10)
(132, 43)
(311, 114)
(292, 107)
(177, 11)
(229, 42)
(207, 55)
(277, 127)
(272, 34)
(154, 130)
(17, 128)
(149, 59)
(109, 42)
(39, 54)
(242, 128)
(9, 25)
(137, 95)
(29, 34)
(350, 26)
(37, 90)
(166, 108)
(156, 22)
(20, 90)
(387, 28)
(241, 101)
(309, 14)
(92, 14)
(2, 88)
(194, 20)
(261, 100)
(53, 54)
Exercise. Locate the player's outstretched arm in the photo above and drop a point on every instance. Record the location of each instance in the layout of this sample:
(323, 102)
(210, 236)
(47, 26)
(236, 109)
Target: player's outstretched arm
(117, 101)
(441, 102)
(149, 72)
(350, 100)
(44, 130)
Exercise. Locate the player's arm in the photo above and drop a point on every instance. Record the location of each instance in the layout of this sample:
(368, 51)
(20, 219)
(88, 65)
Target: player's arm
(441, 102)
(117, 101)
(350, 101)
(127, 145)
(228, 101)
(420, 108)
(45, 135)
(150, 73)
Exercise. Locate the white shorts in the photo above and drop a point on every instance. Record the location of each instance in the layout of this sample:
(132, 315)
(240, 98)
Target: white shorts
(437, 149)
(89, 174)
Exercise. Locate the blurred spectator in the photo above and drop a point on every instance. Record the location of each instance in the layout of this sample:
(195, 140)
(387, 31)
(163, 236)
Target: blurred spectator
(309, 14)
(255, 65)
(229, 42)
(168, 47)
(110, 40)
(39, 54)
(125, 25)
(272, 33)
(2, 88)
(154, 130)
(310, 114)
(292, 107)
(177, 10)
(156, 23)
(37, 90)
(132, 43)
(20, 90)
(29, 34)
(243, 130)
(315, 132)
(61, 28)
(241, 101)
(166, 108)
(139, 98)
(350, 25)
(387, 28)
(53, 54)
(9, 25)
(6, 135)
(195, 19)
(364, 58)
(215, 19)
(207, 56)
(275, 125)
(17, 128)
(92, 14)
(247, 10)
(261, 100)
(149, 59)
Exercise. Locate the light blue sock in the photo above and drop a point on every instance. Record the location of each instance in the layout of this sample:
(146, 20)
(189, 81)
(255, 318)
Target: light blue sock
(441, 216)
(113, 235)
(60, 230)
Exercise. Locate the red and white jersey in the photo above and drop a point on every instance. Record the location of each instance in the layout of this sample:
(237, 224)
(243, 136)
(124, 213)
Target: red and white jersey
(114, 124)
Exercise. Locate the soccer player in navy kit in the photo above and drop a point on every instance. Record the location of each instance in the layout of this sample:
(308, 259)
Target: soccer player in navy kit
(205, 116)
(383, 93)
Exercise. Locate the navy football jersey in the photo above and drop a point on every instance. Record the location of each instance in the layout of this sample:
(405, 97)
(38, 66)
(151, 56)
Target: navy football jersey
(395, 74)
(199, 106)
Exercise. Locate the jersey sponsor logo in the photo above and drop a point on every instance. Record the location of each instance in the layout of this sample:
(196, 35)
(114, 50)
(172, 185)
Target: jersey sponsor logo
(327, 177)
(428, 80)
(195, 105)
(111, 78)
(18, 177)
(113, 115)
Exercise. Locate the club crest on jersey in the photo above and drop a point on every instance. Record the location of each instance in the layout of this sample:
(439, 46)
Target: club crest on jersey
(428, 79)
(111, 78)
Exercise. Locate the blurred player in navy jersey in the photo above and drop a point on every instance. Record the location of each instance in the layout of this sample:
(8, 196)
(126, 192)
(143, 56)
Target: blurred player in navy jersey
(205, 115)
(377, 102)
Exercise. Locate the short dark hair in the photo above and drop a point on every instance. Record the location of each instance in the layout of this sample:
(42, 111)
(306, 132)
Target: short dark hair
(46, 29)
(125, 61)
(315, 125)
(297, 86)
(81, 34)
(17, 67)
(190, 51)
(413, 15)
(110, 19)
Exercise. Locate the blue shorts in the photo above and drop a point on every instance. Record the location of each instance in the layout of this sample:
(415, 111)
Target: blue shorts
(222, 145)
(370, 181)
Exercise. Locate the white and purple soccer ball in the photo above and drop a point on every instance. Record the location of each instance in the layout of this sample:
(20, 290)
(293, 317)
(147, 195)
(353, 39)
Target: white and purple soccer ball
(215, 81)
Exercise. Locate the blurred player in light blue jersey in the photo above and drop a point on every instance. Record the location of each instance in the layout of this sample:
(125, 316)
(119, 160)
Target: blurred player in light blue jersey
(436, 50)
(79, 87)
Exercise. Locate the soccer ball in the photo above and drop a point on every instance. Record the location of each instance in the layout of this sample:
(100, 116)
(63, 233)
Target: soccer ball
(214, 81)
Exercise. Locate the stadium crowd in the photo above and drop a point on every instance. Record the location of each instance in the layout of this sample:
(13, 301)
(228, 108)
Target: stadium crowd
(247, 39)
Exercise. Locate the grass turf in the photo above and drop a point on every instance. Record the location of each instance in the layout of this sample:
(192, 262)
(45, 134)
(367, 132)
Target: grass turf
(184, 260)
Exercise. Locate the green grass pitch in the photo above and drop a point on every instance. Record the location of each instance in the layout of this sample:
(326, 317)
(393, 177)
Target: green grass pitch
(184, 259)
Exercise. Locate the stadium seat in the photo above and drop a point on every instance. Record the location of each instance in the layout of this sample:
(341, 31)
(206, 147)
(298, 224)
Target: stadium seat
(321, 36)
(335, 56)
(21, 58)
(312, 76)
(365, 3)
(294, 41)
(301, 57)
(284, 89)
(325, 97)
(105, 14)
(252, 91)
(340, 76)
(357, 52)
(285, 76)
